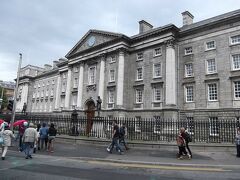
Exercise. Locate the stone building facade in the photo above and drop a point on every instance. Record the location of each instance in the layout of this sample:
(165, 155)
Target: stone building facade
(191, 72)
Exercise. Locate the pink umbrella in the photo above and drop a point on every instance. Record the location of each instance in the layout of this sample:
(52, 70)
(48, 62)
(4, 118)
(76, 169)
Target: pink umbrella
(19, 122)
(1, 121)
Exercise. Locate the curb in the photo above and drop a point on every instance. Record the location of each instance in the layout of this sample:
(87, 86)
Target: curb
(149, 145)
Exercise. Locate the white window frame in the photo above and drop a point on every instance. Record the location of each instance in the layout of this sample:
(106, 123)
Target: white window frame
(112, 75)
(214, 93)
(189, 93)
(140, 56)
(188, 50)
(156, 95)
(154, 70)
(237, 67)
(112, 59)
(137, 126)
(75, 82)
(236, 90)
(90, 76)
(210, 48)
(214, 126)
(210, 68)
(139, 96)
(111, 96)
(236, 40)
(137, 74)
(188, 71)
(158, 51)
(75, 69)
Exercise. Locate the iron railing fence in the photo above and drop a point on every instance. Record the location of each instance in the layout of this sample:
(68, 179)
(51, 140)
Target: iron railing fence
(145, 129)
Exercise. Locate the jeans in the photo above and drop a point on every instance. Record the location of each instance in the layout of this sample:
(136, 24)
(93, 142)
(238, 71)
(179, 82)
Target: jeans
(238, 150)
(28, 148)
(115, 141)
(4, 150)
(44, 141)
(189, 151)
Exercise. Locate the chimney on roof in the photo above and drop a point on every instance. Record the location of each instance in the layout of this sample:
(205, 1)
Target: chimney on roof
(55, 64)
(187, 18)
(144, 26)
(47, 67)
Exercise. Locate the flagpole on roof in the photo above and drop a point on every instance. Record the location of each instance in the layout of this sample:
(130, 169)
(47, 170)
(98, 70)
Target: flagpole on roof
(15, 91)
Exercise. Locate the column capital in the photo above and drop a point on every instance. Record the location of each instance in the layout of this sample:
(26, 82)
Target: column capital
(170, 42)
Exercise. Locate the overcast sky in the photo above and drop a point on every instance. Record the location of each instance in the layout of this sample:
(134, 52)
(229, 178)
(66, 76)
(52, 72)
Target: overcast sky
(45, 30)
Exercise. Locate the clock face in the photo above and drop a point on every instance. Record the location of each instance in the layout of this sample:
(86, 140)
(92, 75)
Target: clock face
(91, 41)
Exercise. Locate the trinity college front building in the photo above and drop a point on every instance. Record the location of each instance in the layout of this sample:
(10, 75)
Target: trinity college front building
(190, 72)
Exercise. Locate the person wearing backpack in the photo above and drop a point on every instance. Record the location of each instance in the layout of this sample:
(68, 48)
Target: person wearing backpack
(6, 134)
(188, 139)
(182, 144)
(122, 135)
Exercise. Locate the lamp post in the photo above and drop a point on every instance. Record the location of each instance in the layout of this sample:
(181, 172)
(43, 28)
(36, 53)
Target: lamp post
(15, 91)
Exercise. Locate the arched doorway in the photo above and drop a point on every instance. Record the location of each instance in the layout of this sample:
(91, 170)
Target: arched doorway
(90, 113)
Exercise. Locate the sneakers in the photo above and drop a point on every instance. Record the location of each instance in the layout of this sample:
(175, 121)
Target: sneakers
(108, 149)
(189, 156)
(180, 158)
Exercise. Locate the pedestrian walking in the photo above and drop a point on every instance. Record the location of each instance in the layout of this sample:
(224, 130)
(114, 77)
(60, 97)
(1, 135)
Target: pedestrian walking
(37, 144)
(52, 132)
(21, 129)
(29, 138)
(182, 144)
(187, 139)
(6, 134)
(115, 138)
(122, 135)
(44, 135)
(238, 142)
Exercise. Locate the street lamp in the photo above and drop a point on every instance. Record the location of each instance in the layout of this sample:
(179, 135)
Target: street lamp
(15, 91)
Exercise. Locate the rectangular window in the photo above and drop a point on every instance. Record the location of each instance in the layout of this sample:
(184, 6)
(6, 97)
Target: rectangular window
(140, 73)
(188, 70)
(212, 92)
(139, 96)
(64, 75)
(188, 50)
(138, 124)
(156, 70)
(139, 56)
(75, 83)
(75, 69)
(111, 94)
(214, 126)
(63, 87)
(91, 75)
(235, 39)
(157, 52)
(210, 45)
(112, 75)
(211, 66)
(237, 89)
(157, 94)
(189, 93)
(236, 61)
(112, 59)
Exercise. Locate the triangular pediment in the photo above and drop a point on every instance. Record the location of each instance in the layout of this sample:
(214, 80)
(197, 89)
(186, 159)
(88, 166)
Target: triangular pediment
(91, 39)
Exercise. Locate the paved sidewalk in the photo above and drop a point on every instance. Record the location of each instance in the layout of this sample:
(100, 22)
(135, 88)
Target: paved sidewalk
(87, 151)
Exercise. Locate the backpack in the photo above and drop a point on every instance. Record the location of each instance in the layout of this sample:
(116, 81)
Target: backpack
(122, 132)
(188, 137)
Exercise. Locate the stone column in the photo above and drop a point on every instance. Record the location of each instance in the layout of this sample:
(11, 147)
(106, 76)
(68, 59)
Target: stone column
(120, 80)
(102, 77)
(68, 89)
(170, 74)
(80, 87)
(58, 92)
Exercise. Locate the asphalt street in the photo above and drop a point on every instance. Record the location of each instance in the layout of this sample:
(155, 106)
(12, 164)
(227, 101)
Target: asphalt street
(88, 161)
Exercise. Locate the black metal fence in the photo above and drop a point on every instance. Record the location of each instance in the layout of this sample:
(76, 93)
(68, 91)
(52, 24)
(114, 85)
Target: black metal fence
(148, 129)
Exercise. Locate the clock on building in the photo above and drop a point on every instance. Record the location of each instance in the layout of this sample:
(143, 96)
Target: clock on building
(91, 41)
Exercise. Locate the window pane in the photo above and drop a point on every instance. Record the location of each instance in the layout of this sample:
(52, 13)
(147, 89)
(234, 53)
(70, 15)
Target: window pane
(212, 92)
(235, 39)
(237, 89)
(189, 93)
(236, 61)
(157, 70)
(188, 50)
(138, 96)
(211, 66)
(188, 70)
(210, 45)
